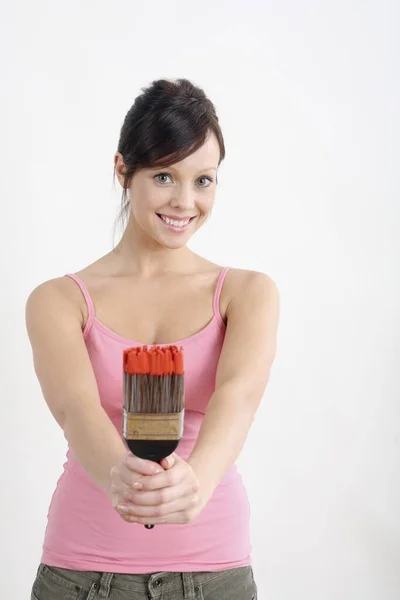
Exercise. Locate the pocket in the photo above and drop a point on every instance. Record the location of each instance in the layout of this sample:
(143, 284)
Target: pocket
(53, 583)
(233, 584)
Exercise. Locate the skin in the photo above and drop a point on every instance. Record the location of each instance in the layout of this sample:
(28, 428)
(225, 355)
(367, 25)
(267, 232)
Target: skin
(148, 259)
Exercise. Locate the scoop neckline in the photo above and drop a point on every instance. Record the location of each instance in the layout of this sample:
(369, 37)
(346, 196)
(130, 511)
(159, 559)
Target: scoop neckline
(124, 340)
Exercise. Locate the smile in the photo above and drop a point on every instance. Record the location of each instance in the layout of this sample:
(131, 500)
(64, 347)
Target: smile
(175, 224)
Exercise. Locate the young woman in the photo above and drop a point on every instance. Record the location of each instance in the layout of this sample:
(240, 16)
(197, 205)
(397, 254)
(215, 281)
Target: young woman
(151, 289)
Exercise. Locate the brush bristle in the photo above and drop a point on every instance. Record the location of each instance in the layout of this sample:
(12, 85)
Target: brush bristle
(153, 379)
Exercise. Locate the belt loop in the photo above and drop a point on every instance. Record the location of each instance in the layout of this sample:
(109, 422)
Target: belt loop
(188, 586)
(105, 585)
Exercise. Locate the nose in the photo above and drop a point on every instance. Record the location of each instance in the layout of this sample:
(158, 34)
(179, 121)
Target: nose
(183, 198)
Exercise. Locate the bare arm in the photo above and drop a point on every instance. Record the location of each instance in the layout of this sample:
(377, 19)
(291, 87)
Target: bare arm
(65, 373)
(243, 371)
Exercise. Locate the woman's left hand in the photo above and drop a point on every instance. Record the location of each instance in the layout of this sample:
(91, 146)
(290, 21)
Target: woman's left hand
(173, 496)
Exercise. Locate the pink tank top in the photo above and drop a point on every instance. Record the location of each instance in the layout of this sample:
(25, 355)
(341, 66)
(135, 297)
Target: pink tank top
(85, 533)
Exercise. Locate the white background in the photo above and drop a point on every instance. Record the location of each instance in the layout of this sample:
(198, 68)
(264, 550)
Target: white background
(308, 98)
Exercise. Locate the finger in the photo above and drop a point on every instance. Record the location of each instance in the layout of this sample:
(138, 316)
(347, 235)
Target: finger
(162, 480)
(157, 497)
(173, 518)
(140, 465)
(129, 477)
(118, 495)
(122, 492)
(168, 462)
(160, 510)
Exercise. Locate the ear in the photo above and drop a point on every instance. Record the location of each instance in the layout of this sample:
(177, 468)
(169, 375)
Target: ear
(120, 168)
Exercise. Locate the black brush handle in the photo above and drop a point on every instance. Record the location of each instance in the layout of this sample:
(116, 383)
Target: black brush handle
(154, 450)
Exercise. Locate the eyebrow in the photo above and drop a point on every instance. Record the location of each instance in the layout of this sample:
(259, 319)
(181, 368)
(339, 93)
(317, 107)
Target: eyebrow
(173, 169)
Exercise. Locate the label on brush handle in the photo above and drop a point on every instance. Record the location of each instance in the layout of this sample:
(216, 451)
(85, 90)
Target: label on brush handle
(153, 426)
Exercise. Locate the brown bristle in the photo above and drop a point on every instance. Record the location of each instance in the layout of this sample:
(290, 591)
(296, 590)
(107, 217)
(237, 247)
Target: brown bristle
(153, 379)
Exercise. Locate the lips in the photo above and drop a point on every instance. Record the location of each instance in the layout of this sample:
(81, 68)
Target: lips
(175, 222)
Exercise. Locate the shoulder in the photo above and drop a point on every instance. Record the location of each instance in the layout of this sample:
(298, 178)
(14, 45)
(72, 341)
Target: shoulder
(244, 286)
(252, 315)
(55, 297)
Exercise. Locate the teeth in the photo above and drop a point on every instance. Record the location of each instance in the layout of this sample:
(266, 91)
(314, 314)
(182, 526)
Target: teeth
(175, 223)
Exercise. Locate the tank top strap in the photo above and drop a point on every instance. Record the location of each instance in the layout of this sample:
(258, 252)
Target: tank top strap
(217, 293)
(89, 302)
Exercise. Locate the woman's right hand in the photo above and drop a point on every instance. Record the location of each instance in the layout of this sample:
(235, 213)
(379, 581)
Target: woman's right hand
(126, 472)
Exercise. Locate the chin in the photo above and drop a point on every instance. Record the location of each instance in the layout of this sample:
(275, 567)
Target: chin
(174, 244)
(173, 240)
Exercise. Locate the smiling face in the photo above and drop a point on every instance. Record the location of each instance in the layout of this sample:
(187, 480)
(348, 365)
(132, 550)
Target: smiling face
(170, 203)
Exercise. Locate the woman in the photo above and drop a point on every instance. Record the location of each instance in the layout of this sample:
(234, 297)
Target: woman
(151, 289)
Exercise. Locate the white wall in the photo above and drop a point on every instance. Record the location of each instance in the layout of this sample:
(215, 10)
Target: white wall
(308, 96)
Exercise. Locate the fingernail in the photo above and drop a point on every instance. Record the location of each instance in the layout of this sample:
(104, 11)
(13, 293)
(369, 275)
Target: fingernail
(158, 471)
(122, 508)
(171, 459)
(137, 485)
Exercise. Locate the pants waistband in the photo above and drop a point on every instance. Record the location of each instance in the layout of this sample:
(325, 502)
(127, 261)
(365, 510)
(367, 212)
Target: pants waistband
(99, 585)
(154, 584)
